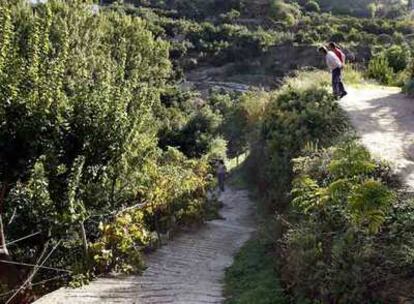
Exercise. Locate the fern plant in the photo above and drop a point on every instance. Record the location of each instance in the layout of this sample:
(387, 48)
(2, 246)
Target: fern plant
(369, 203)
(339, 211)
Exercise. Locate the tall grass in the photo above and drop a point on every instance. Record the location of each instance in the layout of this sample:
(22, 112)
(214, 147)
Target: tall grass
(304, 80)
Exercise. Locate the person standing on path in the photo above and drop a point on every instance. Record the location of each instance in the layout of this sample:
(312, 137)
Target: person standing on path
(221, 174)
(335, 66)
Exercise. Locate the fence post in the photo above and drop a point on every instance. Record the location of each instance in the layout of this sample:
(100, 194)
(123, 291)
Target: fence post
(3, 245)
(84, 241)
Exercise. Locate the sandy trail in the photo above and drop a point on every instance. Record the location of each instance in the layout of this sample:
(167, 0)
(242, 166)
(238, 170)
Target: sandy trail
(190, 269)
(384, 119)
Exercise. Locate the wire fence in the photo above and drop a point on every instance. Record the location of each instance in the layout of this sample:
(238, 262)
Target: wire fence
(39, 265)
(60, 250)
(42, 282)
(21, 239)
(34, 268)
(61, 256)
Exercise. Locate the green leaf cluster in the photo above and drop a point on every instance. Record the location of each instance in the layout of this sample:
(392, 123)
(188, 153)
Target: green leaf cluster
(341, 205)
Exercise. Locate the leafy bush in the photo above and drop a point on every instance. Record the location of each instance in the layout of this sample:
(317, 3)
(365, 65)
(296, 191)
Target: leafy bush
(224, 39)
(312, 6)
(302, 111)
(242, 121)
(398, 57)
(284, 12)
(175, 194)
(380, 69)
(340, 212)
(409, 87)
(390, 66)
(231, 16)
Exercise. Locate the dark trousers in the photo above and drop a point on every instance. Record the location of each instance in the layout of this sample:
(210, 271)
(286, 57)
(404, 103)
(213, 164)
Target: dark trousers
(337, 84)
(221, 177)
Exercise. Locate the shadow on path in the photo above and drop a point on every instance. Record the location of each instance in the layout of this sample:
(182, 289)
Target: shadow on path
(384, 119)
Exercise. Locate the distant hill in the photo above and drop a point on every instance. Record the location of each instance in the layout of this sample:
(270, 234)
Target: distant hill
(364, 8)
(205, 8)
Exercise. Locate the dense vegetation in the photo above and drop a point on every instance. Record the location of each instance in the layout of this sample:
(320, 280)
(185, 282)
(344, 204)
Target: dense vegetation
(100, 153)
(103, 152)
(340, 231)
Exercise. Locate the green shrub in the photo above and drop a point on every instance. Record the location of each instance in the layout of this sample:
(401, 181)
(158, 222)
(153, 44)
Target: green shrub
(401, 78)
(409, 87)
(373, 9)
(398, 57)
(379, 69)
(354, 35)
(396, 11)
(302, 111)
(385, 39)
(338, 209)
(284, 12)
(231, 16)
(312, 6)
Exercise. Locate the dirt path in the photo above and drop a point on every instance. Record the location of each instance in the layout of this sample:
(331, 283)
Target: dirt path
(190, 269)
(384, 119)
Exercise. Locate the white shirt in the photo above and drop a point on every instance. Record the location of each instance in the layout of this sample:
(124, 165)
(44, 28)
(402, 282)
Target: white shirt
(333, 61)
